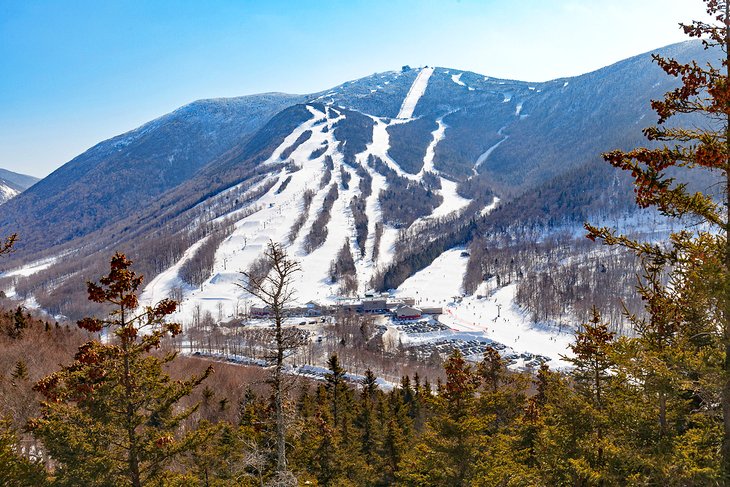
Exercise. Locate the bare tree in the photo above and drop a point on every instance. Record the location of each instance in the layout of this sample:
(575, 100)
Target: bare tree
(275, 289)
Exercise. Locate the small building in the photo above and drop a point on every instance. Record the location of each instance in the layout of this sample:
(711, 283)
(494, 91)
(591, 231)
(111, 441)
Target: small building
(260, 311)
(374, 305)
(408, 313)
(434, 310)
(408, 301)
(313, 309)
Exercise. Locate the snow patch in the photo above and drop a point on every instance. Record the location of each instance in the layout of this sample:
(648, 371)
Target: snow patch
(456, 78)
(418, 88)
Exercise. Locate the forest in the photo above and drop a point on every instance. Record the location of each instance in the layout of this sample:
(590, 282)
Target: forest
(111, 401)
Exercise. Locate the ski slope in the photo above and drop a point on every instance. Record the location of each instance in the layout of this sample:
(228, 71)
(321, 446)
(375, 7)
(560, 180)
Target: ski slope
(494, 316)
(418, 88)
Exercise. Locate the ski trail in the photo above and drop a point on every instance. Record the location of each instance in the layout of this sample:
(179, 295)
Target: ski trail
(418, 88)
(489, 151)
(437, 134)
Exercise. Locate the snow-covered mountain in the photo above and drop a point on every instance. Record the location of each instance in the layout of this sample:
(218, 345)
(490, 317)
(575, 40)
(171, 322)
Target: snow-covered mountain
(13, 183)
(380, 182)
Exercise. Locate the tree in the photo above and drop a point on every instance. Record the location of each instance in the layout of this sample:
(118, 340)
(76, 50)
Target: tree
(275, 289)
(696, 258)
(112, 417)
(15, 469)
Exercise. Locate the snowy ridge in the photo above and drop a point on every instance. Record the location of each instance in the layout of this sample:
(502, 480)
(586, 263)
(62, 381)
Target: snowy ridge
(418, 88)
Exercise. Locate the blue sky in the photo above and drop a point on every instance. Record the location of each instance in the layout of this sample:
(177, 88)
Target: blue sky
(76, 72)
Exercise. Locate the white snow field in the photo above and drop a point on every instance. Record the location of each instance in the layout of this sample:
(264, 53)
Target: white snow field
(494, 316)
(418, 88)
(270, 218)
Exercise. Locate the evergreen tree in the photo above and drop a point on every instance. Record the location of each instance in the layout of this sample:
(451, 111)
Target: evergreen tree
(112, 416)
(697, 257)
(15, 469)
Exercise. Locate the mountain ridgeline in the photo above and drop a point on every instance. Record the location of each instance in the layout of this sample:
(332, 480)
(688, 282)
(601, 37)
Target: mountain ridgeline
(401, 187)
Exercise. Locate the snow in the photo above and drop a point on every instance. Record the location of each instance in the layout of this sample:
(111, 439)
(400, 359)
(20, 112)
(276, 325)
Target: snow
(489, 151)
(381, 143)
(456, 78)
(501, 320)
(451, 203)
(495, 317)
(439, 283)
(437, 135)
(6, 193)
(518, 109)
(31, 268)
(418, 88)
(490, 207)
(317, 116)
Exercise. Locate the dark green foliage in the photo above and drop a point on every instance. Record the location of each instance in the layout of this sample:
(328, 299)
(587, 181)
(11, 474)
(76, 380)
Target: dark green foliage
(408, 143)
(16, 470)
(283, 185)
(318, 233)
(417, 252)
(355, 132)
(307, 198)
(357, 207)
(318, 152)
(469, 133)
(404, 200)
(300, 140)
(343, 264)
(112, 416)
(345, 178)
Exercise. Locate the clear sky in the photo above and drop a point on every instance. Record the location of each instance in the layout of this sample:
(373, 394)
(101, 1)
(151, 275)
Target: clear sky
(75, 72)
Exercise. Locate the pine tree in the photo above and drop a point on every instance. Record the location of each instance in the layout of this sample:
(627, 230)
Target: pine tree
(15, 469)
(112, 417)
(698, 257)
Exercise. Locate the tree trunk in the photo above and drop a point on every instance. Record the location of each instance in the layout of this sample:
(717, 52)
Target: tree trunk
(278, 399)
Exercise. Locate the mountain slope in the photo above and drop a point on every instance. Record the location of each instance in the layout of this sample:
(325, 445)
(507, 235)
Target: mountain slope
(123, 174)
(13, 183)
(336, 172)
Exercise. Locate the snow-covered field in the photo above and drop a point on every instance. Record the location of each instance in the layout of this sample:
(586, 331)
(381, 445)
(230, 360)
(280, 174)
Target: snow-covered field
(439, 285)
(493, 316)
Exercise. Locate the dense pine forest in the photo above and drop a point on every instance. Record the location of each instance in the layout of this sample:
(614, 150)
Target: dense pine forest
(108, 401)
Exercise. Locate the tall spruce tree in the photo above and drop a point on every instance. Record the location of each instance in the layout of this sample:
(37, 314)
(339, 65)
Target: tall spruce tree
(112, 417)
(698, 257)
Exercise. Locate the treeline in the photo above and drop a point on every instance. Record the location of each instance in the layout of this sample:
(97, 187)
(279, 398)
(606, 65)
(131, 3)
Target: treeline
(155, 242)
(318, 232)
(343, 271)
(198, 268)
(559, 277)
(354, 132)
(303, 137)
(482, 425)
(404, 200)
(307, 198)
(357, 207)
(409, 141)
(416, 249)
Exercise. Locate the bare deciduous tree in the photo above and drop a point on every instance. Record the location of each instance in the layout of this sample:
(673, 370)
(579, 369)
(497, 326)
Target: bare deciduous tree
(275, 289)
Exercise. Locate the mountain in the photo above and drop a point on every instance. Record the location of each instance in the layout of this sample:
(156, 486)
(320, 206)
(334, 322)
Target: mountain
(13, 183)
(366, 183)
(122, 174)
